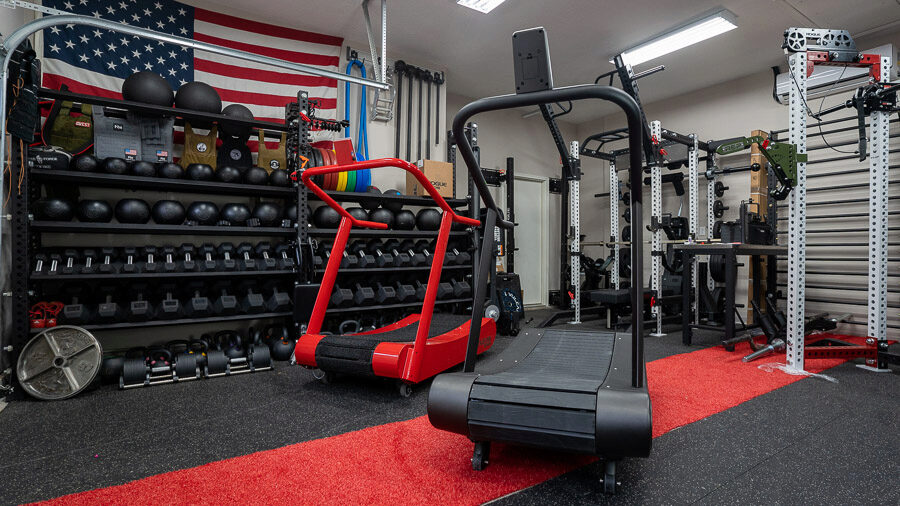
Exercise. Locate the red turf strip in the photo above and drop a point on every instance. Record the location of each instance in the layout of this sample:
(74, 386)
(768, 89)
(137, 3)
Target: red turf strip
(410, 462)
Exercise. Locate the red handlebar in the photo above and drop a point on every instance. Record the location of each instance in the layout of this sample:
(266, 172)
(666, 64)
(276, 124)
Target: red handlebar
(373, 164)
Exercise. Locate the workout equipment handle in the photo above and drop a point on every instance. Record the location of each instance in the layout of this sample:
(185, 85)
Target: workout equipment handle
(635, 148)
(374, 164)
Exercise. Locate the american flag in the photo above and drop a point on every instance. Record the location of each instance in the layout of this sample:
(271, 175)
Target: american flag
(96, 62)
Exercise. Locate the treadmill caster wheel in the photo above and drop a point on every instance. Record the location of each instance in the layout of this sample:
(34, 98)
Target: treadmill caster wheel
(324, 377)
(405, 389)
(480, 456)
(609, 478)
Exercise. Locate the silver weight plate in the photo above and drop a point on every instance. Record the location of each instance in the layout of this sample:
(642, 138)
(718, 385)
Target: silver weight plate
(59, 362)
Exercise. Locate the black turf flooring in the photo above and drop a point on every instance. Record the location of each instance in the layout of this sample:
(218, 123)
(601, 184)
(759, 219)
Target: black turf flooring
(812, 442)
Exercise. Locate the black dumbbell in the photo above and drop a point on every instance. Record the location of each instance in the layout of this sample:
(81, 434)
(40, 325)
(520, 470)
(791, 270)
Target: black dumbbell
(415, 258)
(109, 311)
(401, 258)
(56, 262)
(385, 294)
(108, 264)
(169, 265)
(246, 262)
(278, 301)
(170, 307)
(207, 262)
(341, 296)
(422, 247)
(363, 295)
(90, 257)
(71, 256)
(404, 291)
(226, 263)
(364, 259)
(187, 252)
(198, 305)
(130, 266)
(76, 312)
(252, 302)
(382, 258)
(347, 261)
(444, 290)
(41, 263)
(462, 254)
(461, 287)
(265, 261)
(150, 264)
(285, 257)
(225, 304)
(139, 309)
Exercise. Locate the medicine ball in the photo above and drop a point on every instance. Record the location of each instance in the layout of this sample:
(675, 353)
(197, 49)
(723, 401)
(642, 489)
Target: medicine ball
(428, 219)
(198, 96)
(236, 214)
(256, 175)
(326, 217)
(132, 211)
(54, 209)
(203, 212)
(234, 130)
(385, 216)
(371, 203)
(404, 220)
(168, 212)
(148, 88)
(358, 213)
(228, 174)
(267, 213)
(279, 177)
(171, 171)
(392, 205)
(199, 172)
(94, 211)
(143, 169)
(114, 165)
(85, 163)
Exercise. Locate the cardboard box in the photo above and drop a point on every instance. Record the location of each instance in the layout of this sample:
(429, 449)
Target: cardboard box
(439, 173)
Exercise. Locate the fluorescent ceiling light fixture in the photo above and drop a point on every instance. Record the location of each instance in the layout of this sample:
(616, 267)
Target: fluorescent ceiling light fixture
(698, 31)
(483, 6)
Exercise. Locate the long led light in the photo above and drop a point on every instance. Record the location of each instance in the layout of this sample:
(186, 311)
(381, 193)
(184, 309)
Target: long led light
(483, 6)
(688, 35)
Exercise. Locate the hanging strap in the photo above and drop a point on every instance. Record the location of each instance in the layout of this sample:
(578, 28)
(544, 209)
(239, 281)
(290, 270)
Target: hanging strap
(362, 135)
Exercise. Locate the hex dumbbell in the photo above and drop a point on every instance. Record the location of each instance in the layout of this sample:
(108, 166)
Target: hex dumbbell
(265, 260)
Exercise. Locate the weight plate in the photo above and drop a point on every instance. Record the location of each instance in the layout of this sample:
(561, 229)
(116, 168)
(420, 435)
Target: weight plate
(342, 182)
(330, 179)
(351, 181)
(134, 372)
(216, 362)
(59, 362)
(363, 180)
(186, 366)
(717, 267)
(261, 356)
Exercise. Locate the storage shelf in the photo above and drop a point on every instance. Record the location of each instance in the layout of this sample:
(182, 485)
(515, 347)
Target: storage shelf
(160, 183)
(62, 278)
(181, 321)
(369, 232)
(406, 200)
(417, 303)
(377, 270)
(152, 228)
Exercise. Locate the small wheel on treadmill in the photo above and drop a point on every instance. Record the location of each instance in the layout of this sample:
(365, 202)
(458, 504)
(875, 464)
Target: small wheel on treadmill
(405, 389)
(609, 478)
(324, 377)
(480, 456)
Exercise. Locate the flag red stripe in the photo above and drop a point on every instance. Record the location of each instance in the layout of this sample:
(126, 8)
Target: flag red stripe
(267, 76)
(265, 28)
(283, 54)
(54, 81)
(251, 98)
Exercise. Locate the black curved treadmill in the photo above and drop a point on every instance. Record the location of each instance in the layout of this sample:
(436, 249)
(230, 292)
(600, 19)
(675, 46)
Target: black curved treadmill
(574, 390)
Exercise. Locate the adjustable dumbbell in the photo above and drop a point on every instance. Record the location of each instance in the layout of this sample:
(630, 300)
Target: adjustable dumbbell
(89, 256)
(385, 294)
(139, 309)
(415, 258)
(252, 302)
(341, 296)
(187, 252)
(226, 263)
(130, 266)
(225, 303)
(382, 258)
(150, 265)
(265, 261)
(207, 263)
(170, 307)
(401, 259)
(71, 257)
(246, 262)
(364, 259)
(169, 265)
(285, 256)
(109, 311)
(278, 301)
(460, 287)
(198, 306)
(363, 295)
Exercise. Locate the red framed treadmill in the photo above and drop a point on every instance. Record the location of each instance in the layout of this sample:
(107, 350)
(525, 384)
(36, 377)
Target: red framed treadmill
(410, 351)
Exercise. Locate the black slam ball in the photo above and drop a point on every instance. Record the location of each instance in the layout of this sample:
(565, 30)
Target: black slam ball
(149, 88)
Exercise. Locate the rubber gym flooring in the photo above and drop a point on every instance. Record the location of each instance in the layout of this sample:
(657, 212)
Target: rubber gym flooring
(808, 441)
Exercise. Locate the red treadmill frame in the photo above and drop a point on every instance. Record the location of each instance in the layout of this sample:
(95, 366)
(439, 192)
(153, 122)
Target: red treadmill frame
(424, 357)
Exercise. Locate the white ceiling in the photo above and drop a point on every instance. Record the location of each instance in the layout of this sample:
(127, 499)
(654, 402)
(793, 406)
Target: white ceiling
(475, 48)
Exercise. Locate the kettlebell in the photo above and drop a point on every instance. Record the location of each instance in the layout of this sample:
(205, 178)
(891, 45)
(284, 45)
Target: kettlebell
(282, 347)
(231, 343)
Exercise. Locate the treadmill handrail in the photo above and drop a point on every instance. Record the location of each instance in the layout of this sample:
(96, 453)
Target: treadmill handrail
(375, 164)
(635, 144)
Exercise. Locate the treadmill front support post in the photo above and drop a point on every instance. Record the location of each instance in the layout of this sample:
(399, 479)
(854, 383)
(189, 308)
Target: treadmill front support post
(484, 271)
(414, 364)
(330, 275)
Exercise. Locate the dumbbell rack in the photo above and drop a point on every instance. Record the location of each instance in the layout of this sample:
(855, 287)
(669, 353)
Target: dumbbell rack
(27, 233)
